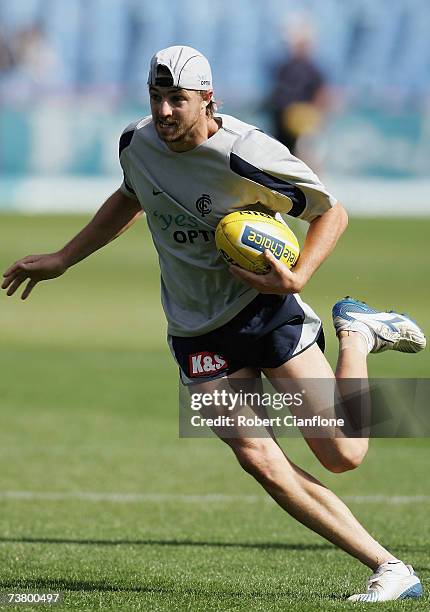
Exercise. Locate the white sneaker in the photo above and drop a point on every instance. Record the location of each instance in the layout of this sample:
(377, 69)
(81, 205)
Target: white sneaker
(392, 580)
(382, 330)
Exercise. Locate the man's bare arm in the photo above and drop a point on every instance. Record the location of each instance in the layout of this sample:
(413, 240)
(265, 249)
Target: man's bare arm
(115, 216)
(111, 220)
(322, 236)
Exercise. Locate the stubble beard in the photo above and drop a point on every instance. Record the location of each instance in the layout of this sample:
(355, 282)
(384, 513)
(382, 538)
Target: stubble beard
(182, 133)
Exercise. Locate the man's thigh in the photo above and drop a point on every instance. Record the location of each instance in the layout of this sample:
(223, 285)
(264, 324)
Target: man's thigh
(311, 371)
(309, 364)
(308, 373)
(236, 385)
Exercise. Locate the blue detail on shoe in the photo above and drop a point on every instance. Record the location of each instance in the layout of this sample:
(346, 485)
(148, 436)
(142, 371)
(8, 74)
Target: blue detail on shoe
(390, 323)
(405, 314)
(413, 592)
(342, 307)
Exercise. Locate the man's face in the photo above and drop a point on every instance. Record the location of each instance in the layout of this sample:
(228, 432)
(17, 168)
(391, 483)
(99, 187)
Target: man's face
(176, 112)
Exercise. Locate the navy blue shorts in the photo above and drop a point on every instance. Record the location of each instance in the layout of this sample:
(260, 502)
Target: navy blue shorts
(265, 334)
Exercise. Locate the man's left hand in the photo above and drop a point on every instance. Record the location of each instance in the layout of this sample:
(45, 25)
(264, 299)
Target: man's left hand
(279, 280)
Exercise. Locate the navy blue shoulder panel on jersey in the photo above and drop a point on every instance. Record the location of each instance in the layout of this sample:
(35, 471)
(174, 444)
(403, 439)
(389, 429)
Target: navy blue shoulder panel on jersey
(247, 170)
(125, 140)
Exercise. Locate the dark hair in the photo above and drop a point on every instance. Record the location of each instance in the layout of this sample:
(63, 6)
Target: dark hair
(163, 77)
(211, 107)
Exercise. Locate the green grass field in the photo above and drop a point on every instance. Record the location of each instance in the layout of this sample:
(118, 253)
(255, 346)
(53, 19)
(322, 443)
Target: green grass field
(101, 500)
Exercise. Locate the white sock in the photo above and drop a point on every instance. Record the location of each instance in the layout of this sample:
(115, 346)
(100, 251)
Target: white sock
(365, 331)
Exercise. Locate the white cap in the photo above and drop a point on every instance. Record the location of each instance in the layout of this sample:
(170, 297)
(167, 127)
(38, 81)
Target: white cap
(186, 67)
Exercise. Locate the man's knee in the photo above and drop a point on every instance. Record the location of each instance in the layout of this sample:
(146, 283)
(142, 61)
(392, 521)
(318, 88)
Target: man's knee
(347, 456)
(256, 456)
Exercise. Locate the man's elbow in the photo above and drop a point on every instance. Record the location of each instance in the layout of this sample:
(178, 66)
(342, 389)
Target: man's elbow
(342, 216)
(336, 216)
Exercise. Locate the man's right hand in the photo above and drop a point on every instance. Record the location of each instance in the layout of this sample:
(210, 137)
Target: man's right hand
(34, 267)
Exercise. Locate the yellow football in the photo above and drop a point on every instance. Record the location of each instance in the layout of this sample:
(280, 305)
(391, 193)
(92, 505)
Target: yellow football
(243, 236)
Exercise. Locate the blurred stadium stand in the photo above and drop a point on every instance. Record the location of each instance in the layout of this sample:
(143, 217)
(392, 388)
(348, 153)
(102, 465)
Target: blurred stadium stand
(73, 74)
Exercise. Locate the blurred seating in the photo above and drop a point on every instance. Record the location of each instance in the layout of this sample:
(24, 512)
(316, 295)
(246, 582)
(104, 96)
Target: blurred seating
(373, 50)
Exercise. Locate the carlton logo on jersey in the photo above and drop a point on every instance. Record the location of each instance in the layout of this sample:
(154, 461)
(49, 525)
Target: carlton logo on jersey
(206, 363)
(243, 236)
(204, 204)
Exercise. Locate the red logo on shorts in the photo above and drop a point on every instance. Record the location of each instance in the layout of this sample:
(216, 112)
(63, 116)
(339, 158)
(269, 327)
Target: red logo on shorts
(205, 363)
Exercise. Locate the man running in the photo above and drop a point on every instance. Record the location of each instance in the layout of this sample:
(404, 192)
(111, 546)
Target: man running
(187, 167)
